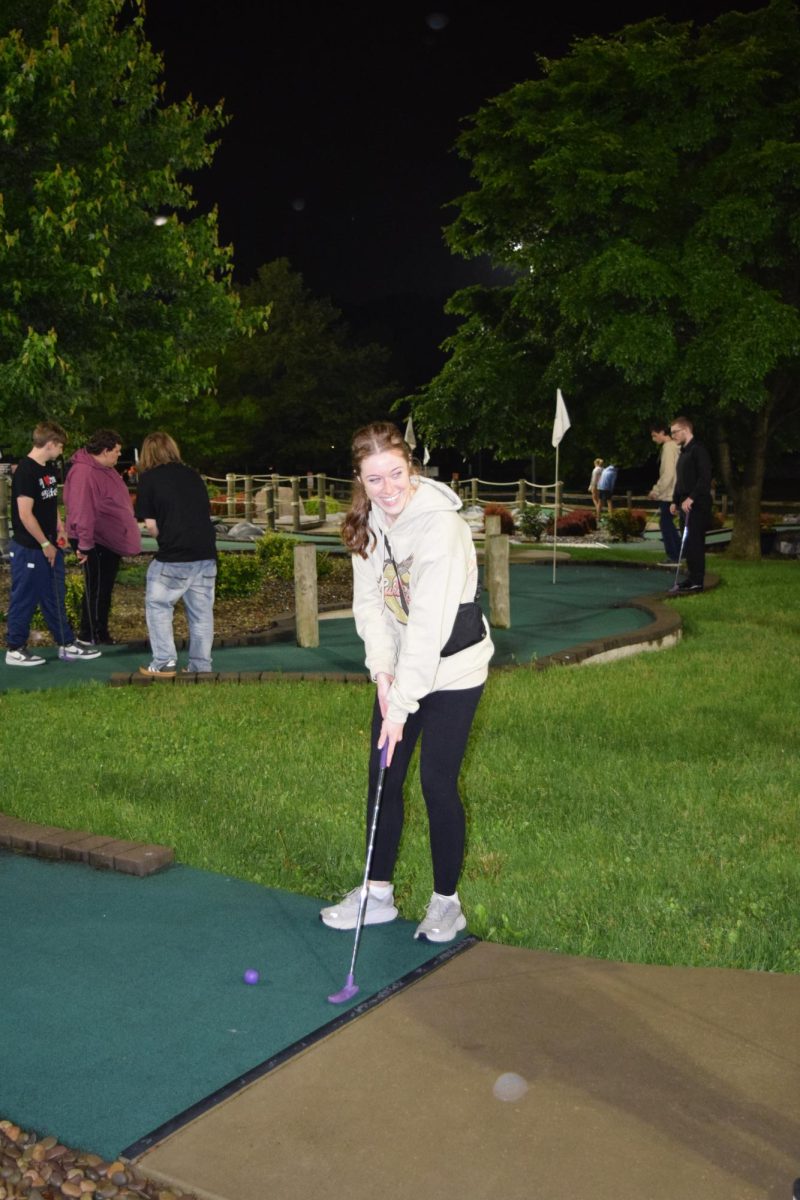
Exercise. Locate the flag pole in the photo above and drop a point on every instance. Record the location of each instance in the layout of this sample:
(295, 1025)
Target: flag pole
(555, 517)
(560, 426)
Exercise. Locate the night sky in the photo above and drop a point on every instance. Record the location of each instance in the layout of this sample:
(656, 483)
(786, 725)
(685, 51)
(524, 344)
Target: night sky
(339, 154)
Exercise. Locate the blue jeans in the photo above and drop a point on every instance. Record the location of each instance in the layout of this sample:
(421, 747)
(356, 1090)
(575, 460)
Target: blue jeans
(167, 583)
(669, 534)
(34, 581)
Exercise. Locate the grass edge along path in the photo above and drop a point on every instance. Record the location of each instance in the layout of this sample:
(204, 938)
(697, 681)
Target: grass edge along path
(643, 810)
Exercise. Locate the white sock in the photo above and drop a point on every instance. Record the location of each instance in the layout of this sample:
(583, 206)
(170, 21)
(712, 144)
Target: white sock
(450, 899)
(381, 893)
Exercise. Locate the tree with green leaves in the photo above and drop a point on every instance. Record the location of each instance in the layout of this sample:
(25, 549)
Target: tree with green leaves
(115, 295)
(643, 195)
(290, 397)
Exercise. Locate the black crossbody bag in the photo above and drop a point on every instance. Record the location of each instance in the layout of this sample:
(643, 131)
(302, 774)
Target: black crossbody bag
(468, 627)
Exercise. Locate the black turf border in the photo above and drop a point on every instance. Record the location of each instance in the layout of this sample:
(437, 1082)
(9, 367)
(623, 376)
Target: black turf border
(199, 1108)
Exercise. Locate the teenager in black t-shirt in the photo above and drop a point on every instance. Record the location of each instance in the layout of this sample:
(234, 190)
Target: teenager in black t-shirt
(173, 502)
(36, 553)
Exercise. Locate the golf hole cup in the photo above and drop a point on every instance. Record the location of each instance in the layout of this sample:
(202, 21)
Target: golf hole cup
(251, 976)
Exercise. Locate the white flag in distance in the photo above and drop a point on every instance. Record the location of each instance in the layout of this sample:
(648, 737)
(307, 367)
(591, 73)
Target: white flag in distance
(408, 436)
(562, 421)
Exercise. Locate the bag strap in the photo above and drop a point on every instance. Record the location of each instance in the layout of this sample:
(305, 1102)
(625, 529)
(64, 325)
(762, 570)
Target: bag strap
(403, 599)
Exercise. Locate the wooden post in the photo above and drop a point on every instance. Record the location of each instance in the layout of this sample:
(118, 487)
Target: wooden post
(269, 505)
(296, 504)
(491, 525)
(473, 483)
(521, 494)
(305, 595)
(5, 492)
(723, 508)
(495, 573)
(629, 499)
(231, 479)
(248, 497)
(559, 490)
(323, 509)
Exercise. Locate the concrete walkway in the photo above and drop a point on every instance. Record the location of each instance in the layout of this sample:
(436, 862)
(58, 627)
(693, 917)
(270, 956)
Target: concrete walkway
(644, 1083)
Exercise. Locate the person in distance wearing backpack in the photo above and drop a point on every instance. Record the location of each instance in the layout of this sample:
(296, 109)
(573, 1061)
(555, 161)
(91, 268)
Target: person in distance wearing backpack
(692, 500)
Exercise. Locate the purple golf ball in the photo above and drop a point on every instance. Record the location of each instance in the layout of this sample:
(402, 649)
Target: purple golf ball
(251, 975)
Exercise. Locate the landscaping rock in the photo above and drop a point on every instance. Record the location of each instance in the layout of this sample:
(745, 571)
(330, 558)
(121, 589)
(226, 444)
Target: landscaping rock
(43, 1169)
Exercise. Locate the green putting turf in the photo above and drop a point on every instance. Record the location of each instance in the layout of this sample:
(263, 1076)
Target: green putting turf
(583, 604)
(124, 1003)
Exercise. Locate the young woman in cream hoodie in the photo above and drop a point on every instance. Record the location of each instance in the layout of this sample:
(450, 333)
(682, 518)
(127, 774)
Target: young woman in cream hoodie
(413, 565)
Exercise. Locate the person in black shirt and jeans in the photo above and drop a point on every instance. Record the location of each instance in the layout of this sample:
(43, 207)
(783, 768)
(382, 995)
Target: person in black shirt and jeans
(692, 501)
(36, 552)
(172, 500)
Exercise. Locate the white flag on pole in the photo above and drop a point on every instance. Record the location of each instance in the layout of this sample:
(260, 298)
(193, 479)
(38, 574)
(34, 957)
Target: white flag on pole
(562, 421)
(408, 437)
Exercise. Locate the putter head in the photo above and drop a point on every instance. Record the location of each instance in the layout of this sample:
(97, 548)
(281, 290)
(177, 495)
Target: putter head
(349, 990)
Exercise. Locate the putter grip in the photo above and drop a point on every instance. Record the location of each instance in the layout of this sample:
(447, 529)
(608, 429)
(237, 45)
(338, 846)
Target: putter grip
(384, 754)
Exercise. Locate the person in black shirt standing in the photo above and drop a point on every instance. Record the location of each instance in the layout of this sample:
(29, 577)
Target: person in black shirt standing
(692, 501)
(37, 554)
(173, 502)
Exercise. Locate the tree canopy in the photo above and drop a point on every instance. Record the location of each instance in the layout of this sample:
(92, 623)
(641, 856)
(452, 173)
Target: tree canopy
(290, 397)
(106, 313)
(642, 196)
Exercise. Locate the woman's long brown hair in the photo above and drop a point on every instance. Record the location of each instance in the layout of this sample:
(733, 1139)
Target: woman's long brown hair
(371, 439)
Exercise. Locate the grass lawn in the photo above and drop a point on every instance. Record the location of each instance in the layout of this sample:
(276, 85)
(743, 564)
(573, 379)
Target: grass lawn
(644, 810)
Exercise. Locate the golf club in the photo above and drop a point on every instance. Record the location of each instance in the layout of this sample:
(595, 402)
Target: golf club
(350, 988)
(62, 649)
(682, 548)
(89, 599)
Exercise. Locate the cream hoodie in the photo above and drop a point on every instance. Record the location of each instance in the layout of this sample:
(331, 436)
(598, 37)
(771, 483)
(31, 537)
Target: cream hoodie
(432, 547)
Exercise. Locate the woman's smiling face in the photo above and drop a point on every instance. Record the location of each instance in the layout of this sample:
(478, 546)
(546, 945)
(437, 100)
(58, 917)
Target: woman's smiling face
(387, 481)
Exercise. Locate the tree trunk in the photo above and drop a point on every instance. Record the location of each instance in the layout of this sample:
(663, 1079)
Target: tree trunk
(746, 486)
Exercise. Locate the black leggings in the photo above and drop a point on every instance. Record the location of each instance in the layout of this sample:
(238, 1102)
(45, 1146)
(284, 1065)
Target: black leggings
(444, 720)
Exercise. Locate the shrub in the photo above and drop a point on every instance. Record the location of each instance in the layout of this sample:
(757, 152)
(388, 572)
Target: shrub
(237, 575)
(331, 506)
(577, 523)
(275, 554)
(625, 523)
(533, 521)
(499, 510)
(73, 598)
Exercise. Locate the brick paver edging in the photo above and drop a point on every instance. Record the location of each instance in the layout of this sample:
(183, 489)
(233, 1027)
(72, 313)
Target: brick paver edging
(71, 845)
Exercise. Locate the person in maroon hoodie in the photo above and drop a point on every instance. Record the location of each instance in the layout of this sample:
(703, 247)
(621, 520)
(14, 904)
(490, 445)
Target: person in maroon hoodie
(101, 527)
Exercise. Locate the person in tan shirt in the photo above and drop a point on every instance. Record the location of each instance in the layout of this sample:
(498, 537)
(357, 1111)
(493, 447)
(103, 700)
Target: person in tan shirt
(663, 489)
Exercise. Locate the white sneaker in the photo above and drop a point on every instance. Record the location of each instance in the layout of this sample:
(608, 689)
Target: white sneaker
(74, 652)
(23, 658)
(344, 915)
(443, 920)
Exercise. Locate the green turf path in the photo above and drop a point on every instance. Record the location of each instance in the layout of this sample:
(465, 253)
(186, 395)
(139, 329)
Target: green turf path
(546, 618)
(124, 1002)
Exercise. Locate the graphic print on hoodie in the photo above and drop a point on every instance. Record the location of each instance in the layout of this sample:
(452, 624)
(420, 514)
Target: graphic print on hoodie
(397, 592)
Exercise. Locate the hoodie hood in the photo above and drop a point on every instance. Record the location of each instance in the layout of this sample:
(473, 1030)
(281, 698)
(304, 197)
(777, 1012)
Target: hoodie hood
(83, 458)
